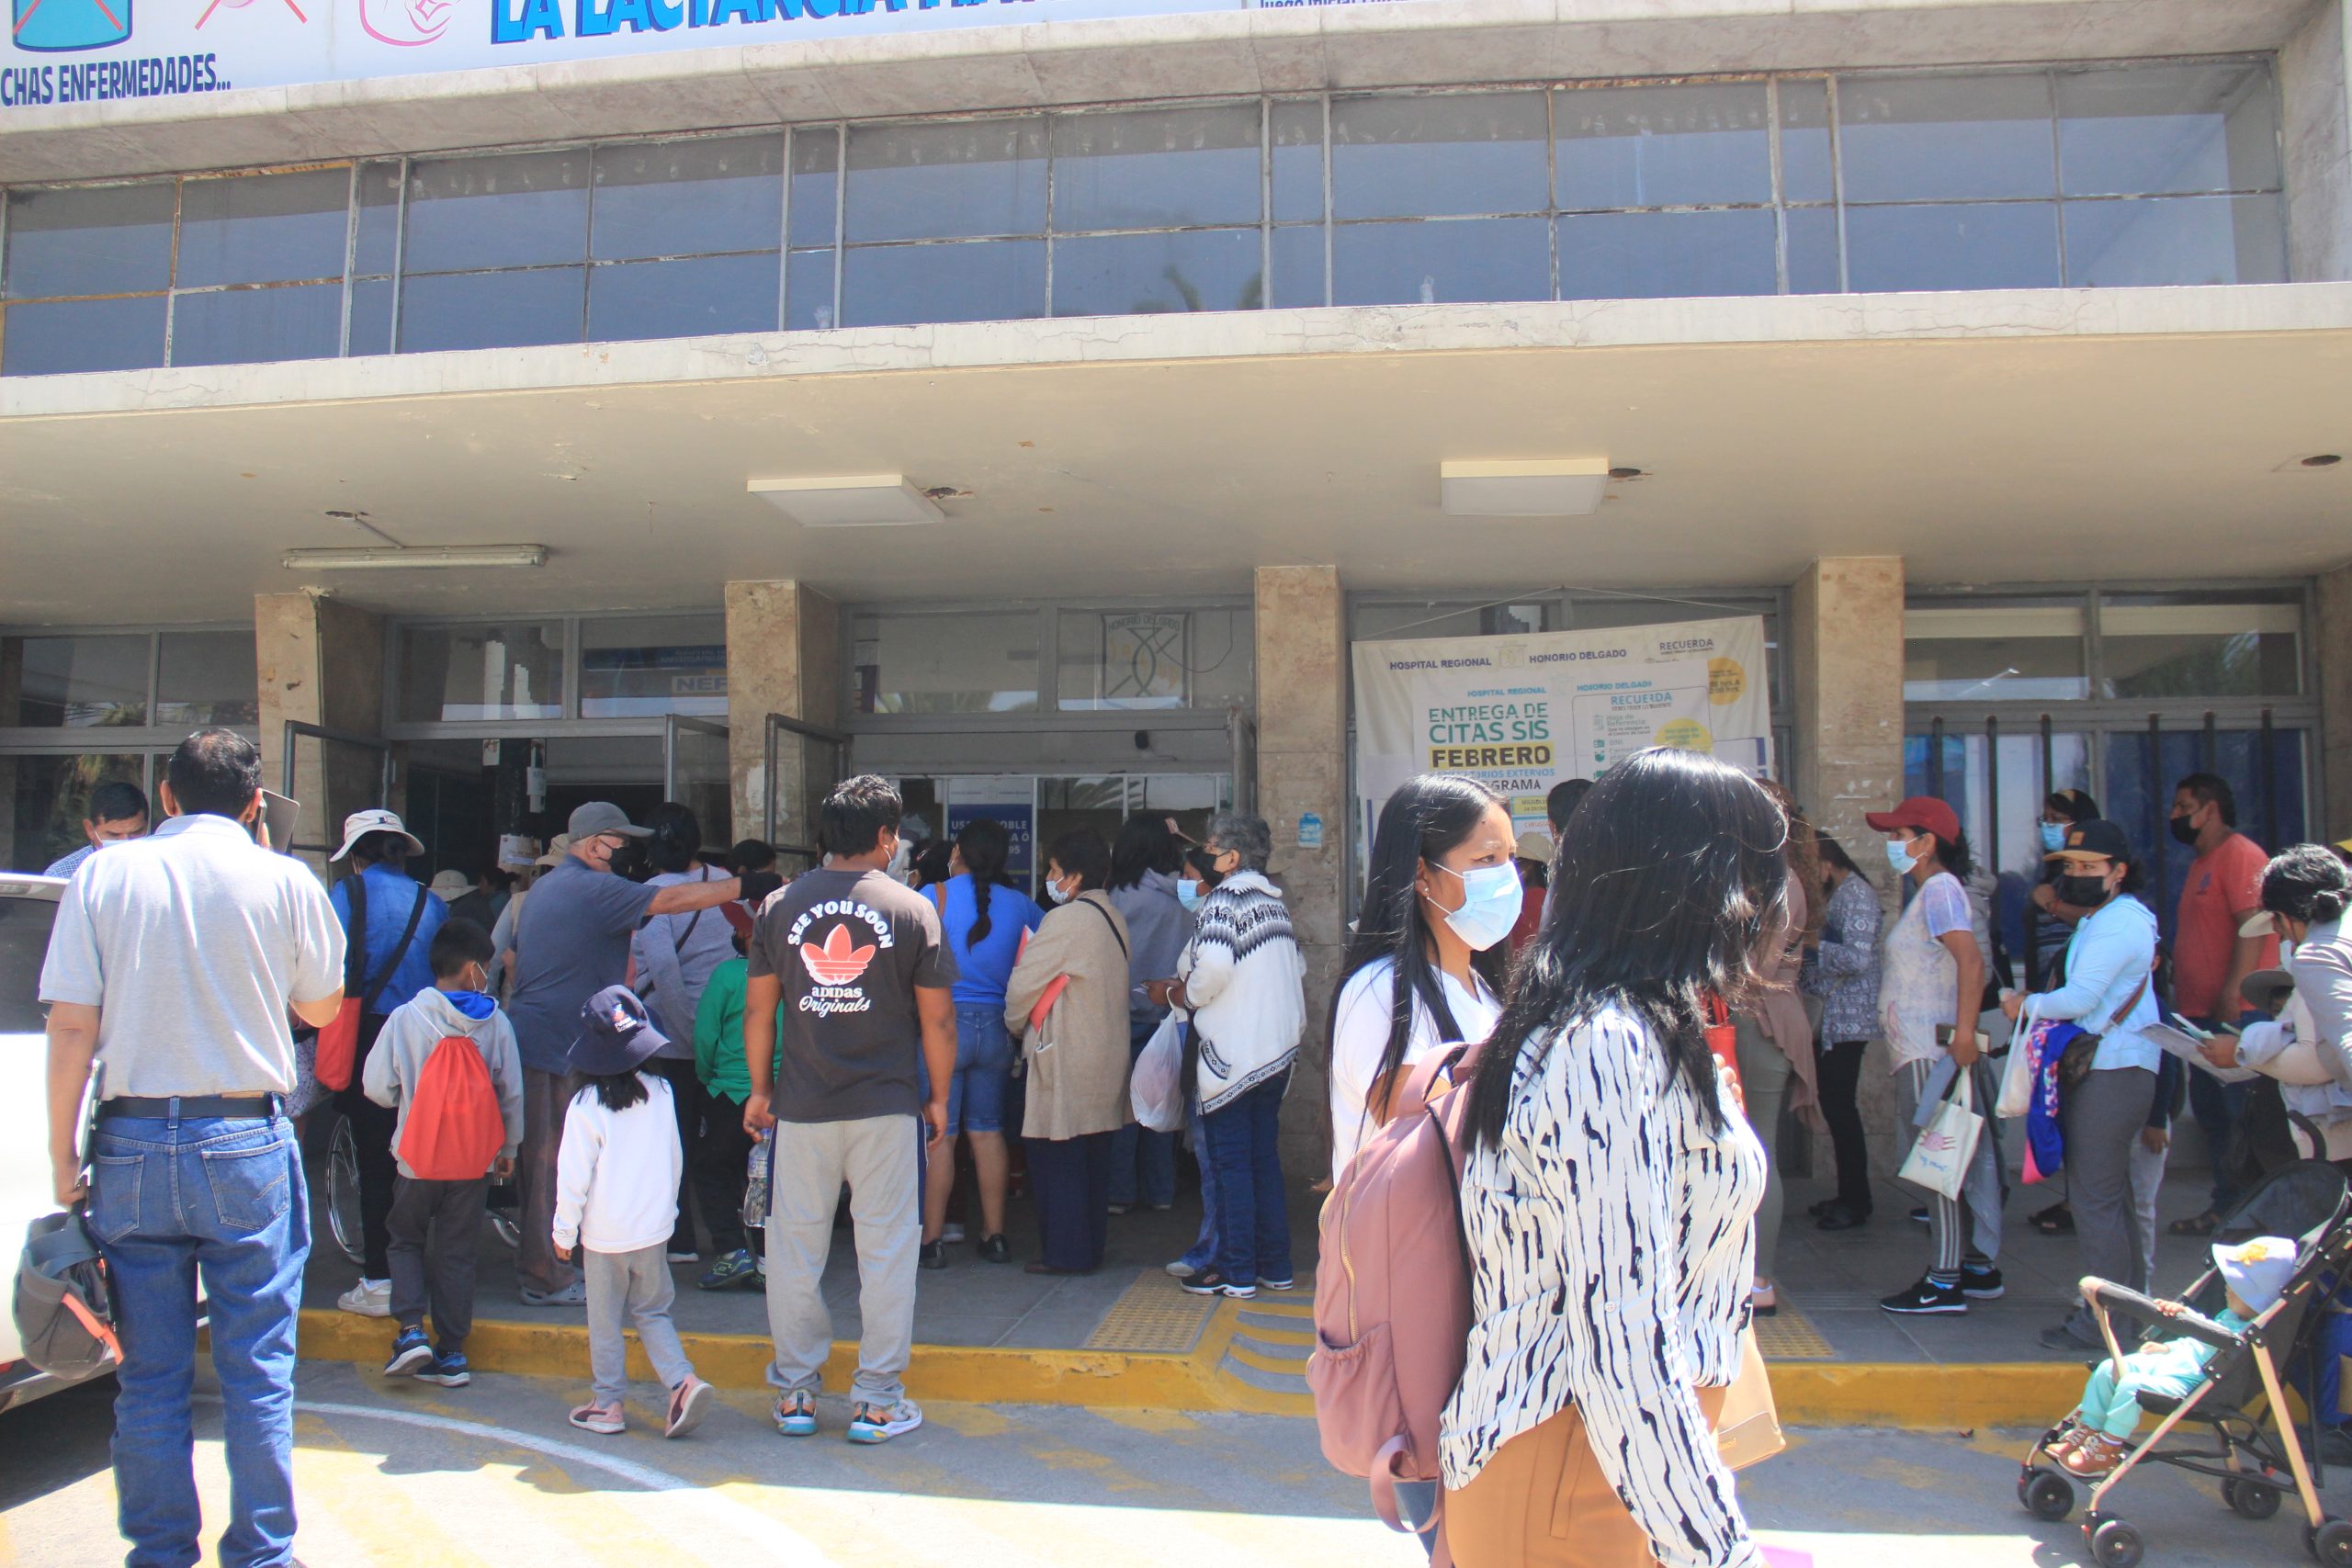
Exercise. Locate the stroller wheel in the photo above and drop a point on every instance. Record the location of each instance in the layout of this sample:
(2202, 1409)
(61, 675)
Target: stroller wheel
(2331, 1543)
(2250, 1499)
(2046, 1495)
(2114, 1544)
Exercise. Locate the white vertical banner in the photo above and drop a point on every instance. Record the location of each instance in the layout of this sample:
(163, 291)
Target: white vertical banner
(1524, 713)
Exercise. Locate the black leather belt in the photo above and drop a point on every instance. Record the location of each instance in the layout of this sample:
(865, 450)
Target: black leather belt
(195, 1107)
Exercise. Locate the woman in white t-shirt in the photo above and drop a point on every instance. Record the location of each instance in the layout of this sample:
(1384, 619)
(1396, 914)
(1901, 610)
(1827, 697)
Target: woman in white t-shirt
(1425, 964)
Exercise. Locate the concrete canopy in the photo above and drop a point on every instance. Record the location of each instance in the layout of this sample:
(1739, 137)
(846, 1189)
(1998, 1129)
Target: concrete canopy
(2049, 435)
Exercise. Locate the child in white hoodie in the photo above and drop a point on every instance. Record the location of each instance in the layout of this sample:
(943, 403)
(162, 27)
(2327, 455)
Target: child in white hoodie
(447, 1062)
(616, 1196)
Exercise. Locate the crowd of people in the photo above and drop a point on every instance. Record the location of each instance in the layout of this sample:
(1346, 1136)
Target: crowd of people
(646, 1044)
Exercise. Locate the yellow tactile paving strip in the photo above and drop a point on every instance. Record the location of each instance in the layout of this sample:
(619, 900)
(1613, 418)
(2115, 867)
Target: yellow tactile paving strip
(1787, 1336)
(1153, 1314)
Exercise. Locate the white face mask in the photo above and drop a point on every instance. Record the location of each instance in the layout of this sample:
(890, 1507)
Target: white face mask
(1490, 904)
(1057, 892)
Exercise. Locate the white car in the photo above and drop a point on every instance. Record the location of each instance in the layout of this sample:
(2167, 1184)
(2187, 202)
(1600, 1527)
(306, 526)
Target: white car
(27, 908)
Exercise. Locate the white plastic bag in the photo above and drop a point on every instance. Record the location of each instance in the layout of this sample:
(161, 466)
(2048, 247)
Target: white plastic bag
(1939, 1160)
(1157, 1088)
(2018, 1070)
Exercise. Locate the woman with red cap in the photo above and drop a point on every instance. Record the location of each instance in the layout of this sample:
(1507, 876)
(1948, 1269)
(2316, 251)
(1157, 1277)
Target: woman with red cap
(1932, 984)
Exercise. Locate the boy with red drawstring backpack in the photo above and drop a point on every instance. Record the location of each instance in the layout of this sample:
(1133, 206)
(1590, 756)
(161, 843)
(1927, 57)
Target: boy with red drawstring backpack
(447, 1062)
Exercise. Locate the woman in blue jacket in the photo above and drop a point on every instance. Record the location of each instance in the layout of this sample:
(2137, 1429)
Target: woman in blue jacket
(2108, 992)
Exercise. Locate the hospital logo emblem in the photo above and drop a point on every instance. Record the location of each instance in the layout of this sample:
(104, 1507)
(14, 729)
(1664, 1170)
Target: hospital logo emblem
(57, 26)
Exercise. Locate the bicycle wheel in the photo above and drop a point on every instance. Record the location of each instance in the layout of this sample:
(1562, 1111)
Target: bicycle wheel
(343, 1189)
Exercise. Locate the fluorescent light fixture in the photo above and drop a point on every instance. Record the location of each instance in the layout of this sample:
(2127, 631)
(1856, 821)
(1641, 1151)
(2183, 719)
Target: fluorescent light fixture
(414, 557)
(1567, 487)
(849, 501)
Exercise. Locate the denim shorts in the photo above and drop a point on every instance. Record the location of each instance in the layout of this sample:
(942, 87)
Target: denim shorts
(976, 1096)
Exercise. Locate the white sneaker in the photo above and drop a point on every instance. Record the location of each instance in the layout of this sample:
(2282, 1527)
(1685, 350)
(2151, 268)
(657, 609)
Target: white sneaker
(369, 1298)
(1181, 1269)
(951, 1232)
(688, 1256)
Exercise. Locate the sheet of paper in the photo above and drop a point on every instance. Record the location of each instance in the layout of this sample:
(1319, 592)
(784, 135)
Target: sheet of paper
(2184, 1045)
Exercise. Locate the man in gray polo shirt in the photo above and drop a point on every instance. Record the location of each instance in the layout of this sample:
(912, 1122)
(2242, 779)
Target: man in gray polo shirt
(571, 942)
(174, 963)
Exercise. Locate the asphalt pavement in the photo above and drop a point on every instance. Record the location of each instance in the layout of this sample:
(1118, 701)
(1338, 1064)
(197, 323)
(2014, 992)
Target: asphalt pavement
(401, 1474)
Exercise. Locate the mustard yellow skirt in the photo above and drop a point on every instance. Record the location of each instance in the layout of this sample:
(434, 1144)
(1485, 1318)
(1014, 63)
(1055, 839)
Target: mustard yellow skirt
(1542, 1501)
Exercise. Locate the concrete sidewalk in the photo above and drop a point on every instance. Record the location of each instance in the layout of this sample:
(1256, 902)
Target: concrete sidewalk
(1128, 1337)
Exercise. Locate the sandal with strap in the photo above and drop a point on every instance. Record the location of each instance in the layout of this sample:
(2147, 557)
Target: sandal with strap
(2057, 1220)
(2205, 1223)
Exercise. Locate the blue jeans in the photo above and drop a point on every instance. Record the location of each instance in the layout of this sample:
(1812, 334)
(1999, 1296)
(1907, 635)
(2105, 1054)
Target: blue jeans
(223, 1200)
(1203, 1252)
(1135, 1141)
(1253, 1211)
(2216, 1106)
(976, 1095)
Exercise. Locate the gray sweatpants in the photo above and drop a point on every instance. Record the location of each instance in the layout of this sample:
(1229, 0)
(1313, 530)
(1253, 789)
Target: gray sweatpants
(1968, 1231)
(625, 1289)
(2103, 1116)
(879, 1157)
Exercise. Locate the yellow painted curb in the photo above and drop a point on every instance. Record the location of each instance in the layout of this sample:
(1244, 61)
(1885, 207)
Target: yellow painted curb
(1834, 1393)
(1809, 1394)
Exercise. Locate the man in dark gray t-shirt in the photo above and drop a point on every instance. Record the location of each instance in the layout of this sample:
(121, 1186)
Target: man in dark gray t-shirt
(571, 942)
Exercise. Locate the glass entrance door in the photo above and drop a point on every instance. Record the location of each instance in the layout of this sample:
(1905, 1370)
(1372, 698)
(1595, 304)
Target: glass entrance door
(698, 774)
(1037, 808)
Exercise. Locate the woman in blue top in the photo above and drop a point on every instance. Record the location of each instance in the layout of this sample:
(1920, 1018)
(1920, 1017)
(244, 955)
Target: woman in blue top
(985, 917)
(394, 906)
(2108, 993)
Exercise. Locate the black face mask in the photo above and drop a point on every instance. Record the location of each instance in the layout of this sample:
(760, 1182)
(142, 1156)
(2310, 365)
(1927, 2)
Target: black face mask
(2184, 828)
(2084, 892)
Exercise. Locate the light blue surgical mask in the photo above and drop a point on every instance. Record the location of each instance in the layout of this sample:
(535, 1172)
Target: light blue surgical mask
(1189, 894)
(1490, 904)
(1057, 891)
(1901, 859)
(2053, 837)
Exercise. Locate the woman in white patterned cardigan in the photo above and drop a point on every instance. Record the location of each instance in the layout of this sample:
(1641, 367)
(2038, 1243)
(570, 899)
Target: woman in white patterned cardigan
(1611, 1189)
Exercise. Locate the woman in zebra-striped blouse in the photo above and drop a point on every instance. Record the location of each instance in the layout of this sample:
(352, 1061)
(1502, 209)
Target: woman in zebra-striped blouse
(1611, 1190)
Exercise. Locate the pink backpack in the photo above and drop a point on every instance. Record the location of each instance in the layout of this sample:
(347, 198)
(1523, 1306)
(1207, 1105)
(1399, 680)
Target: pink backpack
(1392, 1287)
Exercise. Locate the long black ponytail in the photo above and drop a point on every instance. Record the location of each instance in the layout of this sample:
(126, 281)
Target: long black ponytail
(984, 844)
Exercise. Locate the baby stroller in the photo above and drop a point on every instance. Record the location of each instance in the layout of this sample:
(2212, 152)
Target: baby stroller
(2242, 1387)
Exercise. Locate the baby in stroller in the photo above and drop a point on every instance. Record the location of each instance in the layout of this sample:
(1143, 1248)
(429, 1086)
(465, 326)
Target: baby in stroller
(2254, 1273)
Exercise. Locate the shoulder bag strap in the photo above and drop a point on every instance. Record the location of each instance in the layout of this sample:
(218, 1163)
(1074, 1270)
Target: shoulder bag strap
(354, 952)
(2129, 1003)
(1108, 921)
(685, 936)
(416, 913)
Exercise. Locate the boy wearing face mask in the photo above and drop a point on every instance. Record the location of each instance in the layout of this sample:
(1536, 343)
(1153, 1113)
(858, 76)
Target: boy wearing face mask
(2108, 994)
(448, 1065)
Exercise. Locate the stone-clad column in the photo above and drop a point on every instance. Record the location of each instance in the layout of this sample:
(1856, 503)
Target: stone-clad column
(1301, 678)
(782, 655)
(1844, 636)
(2335, 635)
(321, 661)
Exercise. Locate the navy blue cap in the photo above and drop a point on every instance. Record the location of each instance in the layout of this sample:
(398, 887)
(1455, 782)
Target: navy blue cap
(616, 1034)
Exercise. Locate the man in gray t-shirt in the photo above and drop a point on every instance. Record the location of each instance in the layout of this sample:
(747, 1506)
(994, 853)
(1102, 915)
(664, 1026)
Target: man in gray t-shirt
(174, 963)
(571, 942)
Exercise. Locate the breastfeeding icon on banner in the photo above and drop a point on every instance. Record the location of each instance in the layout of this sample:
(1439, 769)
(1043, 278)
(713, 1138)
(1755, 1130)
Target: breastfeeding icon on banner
(56, 25)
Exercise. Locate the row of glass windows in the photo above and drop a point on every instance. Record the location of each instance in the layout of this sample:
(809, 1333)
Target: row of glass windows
(128, 680)
(2092, 176)
(2131, 646)
(1128, 661)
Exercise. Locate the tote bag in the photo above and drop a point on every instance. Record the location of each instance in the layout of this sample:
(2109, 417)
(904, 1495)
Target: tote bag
(1939, 1160)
